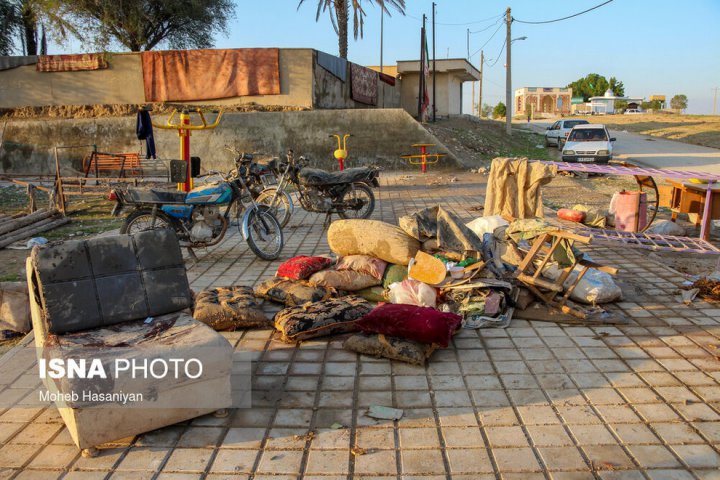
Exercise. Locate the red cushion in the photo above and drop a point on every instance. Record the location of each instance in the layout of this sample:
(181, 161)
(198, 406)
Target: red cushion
(422, 324)
(301, 267)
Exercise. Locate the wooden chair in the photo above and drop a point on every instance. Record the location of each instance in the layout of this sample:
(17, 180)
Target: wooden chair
(551, 292)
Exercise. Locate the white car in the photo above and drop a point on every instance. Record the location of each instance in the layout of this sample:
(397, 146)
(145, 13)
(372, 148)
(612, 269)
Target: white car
(589, 143)
(633, 111)
(558, 131)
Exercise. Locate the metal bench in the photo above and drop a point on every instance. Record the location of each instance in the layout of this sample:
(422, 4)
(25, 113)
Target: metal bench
(125, 164)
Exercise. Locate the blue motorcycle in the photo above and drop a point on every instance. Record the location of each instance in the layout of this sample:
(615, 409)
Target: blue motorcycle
(201, 217)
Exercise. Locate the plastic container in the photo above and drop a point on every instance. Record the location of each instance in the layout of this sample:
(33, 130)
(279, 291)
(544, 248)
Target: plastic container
(629, 210)
(457, 272)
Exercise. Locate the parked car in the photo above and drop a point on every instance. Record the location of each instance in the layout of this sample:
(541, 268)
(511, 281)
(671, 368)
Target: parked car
(559, 130)
(633, 111)
(589, 143)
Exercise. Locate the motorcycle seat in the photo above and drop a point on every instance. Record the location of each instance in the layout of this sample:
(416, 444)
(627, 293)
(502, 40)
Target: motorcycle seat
(154, 195)
(316, 176)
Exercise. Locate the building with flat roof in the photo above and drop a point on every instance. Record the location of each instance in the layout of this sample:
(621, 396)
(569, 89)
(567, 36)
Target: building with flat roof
(606, 103)
(550, 100)
(450, 74)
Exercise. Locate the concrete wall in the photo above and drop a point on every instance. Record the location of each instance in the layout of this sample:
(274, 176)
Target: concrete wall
(380, 137)
(122, 83)
(330, 92)
(448, 89)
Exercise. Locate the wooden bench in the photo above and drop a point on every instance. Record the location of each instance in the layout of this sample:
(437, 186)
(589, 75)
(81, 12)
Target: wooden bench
(125, 164)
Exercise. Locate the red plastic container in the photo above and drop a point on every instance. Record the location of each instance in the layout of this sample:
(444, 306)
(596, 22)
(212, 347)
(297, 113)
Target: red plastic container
(630, 211)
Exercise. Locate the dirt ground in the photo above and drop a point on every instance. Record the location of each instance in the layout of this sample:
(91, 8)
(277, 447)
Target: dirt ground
(695, 129)
(88, 216)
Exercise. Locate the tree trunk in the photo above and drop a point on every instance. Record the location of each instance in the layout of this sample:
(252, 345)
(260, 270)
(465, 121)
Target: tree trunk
(342, 14)
(29, 29)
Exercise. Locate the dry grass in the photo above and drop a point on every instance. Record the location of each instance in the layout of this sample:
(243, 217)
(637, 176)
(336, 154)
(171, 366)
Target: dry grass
(695, 129)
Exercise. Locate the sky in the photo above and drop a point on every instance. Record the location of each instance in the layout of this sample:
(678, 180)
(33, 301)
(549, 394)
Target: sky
(662, 47)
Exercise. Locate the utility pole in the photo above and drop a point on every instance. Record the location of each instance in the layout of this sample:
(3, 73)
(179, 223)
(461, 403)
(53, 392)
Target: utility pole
(482, 62)
(433, 20)
(421, 79)
(715, 101)
(382, 17)
(508, 77)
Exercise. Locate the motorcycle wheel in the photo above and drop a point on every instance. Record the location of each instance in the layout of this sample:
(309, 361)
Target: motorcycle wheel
(142, 219)
(265, 235)
(281, 209)
(358, 191)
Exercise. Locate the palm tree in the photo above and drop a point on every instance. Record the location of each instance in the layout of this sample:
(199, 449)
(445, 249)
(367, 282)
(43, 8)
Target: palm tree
(339, 12)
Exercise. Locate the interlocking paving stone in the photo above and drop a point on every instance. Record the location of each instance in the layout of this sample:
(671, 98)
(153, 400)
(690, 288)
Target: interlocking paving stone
(633, 401)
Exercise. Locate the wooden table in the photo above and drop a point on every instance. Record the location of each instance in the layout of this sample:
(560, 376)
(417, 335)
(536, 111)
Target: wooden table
(688, 197)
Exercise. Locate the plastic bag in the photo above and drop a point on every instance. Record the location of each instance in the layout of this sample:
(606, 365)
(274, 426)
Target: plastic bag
(481, 226)
(666, 227)
(595, 287)
(412, 292)
(363, 264)
(421, 324)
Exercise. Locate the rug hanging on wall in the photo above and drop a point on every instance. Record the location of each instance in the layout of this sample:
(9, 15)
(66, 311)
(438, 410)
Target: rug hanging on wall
(363, 84)
(183, 75)
(72, 63)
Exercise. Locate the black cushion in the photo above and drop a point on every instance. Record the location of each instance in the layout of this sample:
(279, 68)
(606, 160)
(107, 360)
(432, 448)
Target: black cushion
(154, 195)
(315, 176)
(108, 280)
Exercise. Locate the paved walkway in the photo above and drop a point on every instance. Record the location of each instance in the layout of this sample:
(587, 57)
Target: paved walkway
(537, 400)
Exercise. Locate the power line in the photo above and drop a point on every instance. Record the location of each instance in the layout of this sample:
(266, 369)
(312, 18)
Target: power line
(564, 18)
(458, 24)
(484, 29)
(488, 40)
(498, 55)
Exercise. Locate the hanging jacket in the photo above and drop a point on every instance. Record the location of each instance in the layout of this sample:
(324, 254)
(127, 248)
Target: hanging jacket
(144, 131)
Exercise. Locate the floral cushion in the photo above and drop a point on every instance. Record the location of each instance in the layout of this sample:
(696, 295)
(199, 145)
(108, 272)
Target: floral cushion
(292, 292)
(229, 308)
(321, 318)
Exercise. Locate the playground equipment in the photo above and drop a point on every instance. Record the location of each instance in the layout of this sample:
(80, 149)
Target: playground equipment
(341, 153)
(183, 127)
(422, 158)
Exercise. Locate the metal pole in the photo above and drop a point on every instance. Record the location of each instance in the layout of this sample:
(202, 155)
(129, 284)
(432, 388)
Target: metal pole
(468, 44)
(433, 78)
(382, 17)
(508, 77)
(482, 62)
(422, 70)
(715, 101)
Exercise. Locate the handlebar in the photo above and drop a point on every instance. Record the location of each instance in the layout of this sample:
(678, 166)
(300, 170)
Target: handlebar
(180, 126)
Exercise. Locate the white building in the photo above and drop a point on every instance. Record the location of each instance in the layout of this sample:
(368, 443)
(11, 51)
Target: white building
(606, 103)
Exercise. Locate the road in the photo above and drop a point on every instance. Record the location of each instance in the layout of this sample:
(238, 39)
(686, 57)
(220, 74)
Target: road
(655, 152)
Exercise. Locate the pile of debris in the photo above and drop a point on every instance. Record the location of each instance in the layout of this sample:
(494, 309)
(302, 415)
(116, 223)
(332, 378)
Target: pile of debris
(19, 227)
(404, 291)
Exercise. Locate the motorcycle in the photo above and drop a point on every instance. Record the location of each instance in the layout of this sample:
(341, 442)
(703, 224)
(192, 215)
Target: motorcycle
(346, 193)
(201, 217)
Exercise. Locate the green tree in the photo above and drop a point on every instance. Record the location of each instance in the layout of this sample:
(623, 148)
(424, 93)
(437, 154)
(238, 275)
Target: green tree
(339, 13)
(679, 102)
(499, 111)
(139, 24)
(9, 26)
(595, 85)
(616, 86)
(486, 110)
(652, 105)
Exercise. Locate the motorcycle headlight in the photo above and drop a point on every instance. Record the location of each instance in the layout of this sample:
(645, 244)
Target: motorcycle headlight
(603, 152)
(568, 152)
